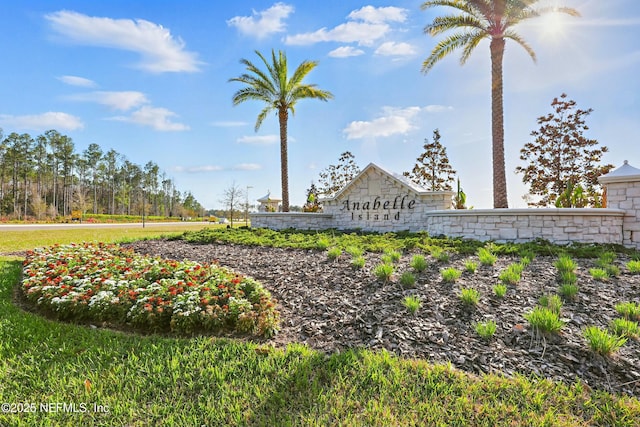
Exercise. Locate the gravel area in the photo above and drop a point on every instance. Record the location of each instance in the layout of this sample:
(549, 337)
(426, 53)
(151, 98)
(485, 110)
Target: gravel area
(330, 306)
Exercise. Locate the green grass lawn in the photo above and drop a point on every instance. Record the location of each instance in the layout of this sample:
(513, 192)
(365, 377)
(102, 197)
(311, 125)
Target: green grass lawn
(71, 375)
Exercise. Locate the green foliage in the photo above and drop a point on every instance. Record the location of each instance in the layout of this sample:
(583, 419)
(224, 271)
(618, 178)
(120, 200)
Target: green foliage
(384, 272)
(358, 262)
(500, 290)
(565, 263)
(552, 302)
(562, 165)
(391, 256)
(450, 274)
(599, 274)
(419, 263)
(633, 267)
(544, 320)
(470, 266)
(486, 257)
(460, 198)
(486, 330)
(354, 251)
(629, 310)
(568, 278)
(601, 341)
(625, 328)
(469, 296)
(512, 274)
(432, 170)
(412, 303)
(334, 253)
(439, 254)
(322, 243)
(568, 291)
(407, 279)
(335, 177)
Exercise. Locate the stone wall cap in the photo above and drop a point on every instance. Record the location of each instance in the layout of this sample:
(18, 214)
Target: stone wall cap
(624, 173)
(529, 211)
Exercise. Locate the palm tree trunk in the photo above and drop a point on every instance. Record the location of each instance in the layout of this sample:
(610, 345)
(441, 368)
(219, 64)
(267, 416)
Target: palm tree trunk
(283, 116)
(497, 119)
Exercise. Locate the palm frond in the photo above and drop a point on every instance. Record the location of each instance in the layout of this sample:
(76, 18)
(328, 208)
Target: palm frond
(441, 24)
(461, 5)
(471, 44)
(512, 35)
(263, 114)
(445, 47)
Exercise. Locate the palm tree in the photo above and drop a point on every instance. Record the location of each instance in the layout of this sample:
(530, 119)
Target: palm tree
(279, 93)
(494, 20)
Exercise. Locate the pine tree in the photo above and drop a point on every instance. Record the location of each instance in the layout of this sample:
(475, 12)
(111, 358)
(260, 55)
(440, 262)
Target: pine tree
(432, 170)
(563, 165)
(336, 177)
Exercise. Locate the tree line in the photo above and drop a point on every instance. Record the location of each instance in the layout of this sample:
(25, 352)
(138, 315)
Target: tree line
(44, 177)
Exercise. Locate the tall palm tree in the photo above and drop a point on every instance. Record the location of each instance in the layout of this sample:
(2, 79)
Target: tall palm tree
(280, 94)
(493, 20)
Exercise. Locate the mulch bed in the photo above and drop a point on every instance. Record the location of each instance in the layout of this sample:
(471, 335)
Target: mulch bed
(330, 306)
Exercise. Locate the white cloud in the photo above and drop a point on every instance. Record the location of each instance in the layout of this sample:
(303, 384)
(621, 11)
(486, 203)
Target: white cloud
(363, 33)
(395, 49)
(229, 124)
(379, 14)
(196, 169)
(392, 121)
(259, 139)
(42, 122)
(264, 23)
(156, 118)
(160, 51)
(345, 52)
(125, 100)
(364, 26)
(247, 167)
(77, 81)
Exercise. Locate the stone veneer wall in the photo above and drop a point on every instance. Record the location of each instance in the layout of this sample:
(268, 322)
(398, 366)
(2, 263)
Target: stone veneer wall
(623, 192)
(559, 226)
(297, 220)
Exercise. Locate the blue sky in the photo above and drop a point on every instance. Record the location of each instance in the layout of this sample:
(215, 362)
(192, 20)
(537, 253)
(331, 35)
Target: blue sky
(150, 80)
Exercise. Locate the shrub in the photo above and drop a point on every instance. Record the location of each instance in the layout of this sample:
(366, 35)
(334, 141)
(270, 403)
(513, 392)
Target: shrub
(407, 279)
(323, 243)
(629, 310)
(606, 259)
(354, 251)
(568, 291)
(486, 257)
(509, 276)
(624, 328)
(439, 254)
(599, 274)
(358, 262)
(633, 267)
(383, 272)
(552, 302)
(450, 274)
(500, 290)
(544, 320)
(334, 253)
(393, 255)
(470, 266)
(412, 303)
(419, 263)
(486, 330)
(565, 263)
(568, 277)
(469, 296)
(612, 270)
(601, 341)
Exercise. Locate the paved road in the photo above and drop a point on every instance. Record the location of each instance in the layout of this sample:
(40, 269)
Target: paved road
(14, 227)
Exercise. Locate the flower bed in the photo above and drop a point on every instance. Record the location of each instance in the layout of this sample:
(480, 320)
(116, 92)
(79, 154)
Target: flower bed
(107, 283)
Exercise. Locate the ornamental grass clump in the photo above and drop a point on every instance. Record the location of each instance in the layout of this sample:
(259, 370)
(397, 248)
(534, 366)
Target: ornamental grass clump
(408, 280)
(334, 253)
(544, 320)
(392, 255)
(412, 303)
(358, 262)
(469, 296)
(625, 328)
(486, 257)
(419, 263)
(568, 291)
(107, 283)
(552, 302)
(564, 263)
(602, 342)
(450, 275)
(510, 275)
(599, 274)
(384, 272)
(323, 243)
(633, 267)
(470, 266)
(629, 310)
(354, 251)
(486, 330)
(439, 254)
(500, 290)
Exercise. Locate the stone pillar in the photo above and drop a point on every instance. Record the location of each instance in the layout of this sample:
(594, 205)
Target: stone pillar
(623, 192)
